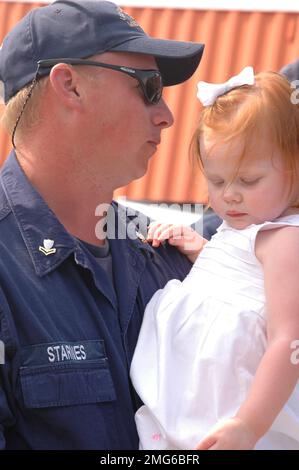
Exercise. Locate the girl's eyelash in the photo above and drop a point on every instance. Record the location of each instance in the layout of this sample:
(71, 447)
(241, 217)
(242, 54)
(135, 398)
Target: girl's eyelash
(249, 182)
(242, 181)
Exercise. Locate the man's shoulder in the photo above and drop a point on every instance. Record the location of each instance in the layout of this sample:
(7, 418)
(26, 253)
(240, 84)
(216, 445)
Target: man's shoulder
(175, 263)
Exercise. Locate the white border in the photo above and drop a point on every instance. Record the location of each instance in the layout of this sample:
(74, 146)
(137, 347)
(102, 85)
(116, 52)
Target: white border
(231, 5)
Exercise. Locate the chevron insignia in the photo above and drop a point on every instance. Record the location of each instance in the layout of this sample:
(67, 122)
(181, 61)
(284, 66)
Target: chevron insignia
(47, 249)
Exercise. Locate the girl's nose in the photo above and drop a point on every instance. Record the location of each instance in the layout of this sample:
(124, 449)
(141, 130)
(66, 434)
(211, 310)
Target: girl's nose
(231, 194)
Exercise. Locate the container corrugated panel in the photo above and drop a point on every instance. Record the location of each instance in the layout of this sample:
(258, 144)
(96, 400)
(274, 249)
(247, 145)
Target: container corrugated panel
(233, 40)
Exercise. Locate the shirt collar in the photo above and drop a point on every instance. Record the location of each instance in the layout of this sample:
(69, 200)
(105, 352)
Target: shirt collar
(36, 221)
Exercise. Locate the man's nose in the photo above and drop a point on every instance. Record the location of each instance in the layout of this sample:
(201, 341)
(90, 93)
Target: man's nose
(162, 116)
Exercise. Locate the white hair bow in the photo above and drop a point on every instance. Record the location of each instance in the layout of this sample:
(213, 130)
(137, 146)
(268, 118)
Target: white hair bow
(207, 93)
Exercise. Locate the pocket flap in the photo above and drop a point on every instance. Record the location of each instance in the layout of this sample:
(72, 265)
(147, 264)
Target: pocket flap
(66, 384)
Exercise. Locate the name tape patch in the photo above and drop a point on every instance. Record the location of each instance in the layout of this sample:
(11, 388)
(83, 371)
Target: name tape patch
(63, 352)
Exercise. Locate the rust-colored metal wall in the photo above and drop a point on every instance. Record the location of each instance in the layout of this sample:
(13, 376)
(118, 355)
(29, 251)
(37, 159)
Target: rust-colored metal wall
(233, 40)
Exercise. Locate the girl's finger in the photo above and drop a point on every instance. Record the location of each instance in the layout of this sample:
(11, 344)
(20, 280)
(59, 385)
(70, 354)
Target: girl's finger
(157, 230)
(153, 226)
(207, 442)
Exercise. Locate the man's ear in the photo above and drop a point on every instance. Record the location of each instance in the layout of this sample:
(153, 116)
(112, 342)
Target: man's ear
(65, 83)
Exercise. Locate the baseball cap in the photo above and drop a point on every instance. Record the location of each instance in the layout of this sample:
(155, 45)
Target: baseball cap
(81, 29)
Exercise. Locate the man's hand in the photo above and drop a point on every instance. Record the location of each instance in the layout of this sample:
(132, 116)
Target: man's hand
(187, 240)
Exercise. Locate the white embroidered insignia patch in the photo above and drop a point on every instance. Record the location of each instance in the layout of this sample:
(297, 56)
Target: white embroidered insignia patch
(127, 18)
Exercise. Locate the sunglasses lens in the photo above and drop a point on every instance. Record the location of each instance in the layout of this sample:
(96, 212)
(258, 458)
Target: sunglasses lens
(154, 88)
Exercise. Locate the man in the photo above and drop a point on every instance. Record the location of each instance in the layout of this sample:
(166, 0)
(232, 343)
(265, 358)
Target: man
(82, 83)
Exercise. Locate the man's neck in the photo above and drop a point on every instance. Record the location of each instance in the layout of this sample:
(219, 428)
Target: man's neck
(77, 203)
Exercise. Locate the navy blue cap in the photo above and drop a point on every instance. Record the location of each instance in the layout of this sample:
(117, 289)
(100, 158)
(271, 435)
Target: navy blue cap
(81, 29)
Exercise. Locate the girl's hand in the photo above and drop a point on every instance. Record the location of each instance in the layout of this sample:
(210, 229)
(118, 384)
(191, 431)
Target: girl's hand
(230, 434)
(187, 240)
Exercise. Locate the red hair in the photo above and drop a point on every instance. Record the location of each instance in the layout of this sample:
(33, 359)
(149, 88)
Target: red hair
(253, 110)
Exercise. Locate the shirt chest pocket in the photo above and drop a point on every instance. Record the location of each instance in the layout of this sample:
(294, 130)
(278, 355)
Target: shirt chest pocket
(66, 381)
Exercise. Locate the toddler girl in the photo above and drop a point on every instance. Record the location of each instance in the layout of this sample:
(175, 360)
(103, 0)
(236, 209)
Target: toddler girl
(216, 364)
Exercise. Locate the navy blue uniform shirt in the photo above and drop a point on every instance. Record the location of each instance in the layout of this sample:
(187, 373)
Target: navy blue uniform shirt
(69, 336)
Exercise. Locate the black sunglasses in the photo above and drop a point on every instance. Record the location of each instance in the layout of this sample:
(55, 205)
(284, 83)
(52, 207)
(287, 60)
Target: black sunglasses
(150, 80)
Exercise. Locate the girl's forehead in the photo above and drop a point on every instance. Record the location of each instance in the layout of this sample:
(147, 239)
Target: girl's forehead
(234, 157)
(217, 147)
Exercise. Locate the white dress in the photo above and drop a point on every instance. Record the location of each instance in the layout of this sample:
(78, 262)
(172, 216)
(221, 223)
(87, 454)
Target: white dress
(200, 345)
